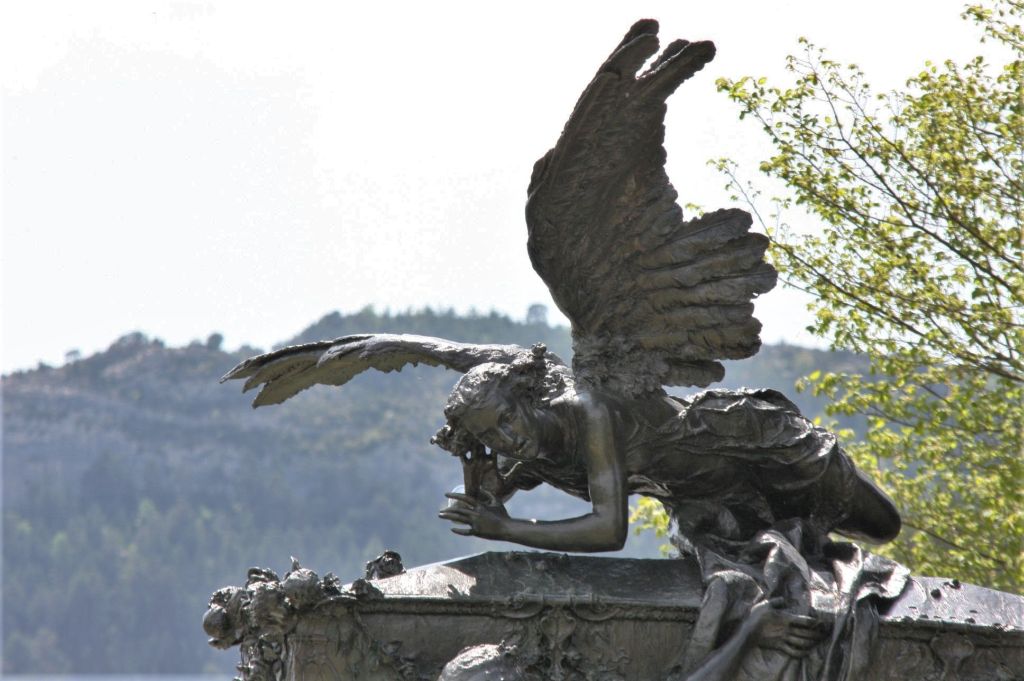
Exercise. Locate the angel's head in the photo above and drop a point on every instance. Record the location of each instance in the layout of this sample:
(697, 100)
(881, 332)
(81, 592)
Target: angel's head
(504, 406)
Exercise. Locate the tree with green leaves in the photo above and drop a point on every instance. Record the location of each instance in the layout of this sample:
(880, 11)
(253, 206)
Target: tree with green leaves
(919, 266)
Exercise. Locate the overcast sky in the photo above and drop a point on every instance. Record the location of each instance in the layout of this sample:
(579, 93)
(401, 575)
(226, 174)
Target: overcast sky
(187, 167)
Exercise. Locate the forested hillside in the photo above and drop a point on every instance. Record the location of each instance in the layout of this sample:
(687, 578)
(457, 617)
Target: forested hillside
(134, 485)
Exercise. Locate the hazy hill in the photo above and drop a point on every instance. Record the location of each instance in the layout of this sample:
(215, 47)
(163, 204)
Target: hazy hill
(134, 485)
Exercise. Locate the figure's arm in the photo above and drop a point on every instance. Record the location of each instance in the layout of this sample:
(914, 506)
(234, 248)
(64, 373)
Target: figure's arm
(603, 529)
(769, 626)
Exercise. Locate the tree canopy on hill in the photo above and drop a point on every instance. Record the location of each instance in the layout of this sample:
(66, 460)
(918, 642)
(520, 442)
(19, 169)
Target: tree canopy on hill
(920, 267)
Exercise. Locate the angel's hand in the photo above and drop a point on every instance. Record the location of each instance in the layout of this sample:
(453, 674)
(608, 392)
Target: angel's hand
(772, 627)
(484, 520)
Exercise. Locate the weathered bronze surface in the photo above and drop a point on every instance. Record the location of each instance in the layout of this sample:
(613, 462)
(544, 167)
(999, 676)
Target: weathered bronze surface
(753, 488)
(552, 616)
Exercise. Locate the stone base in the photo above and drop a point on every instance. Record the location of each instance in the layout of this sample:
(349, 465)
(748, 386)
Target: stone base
(552, 616)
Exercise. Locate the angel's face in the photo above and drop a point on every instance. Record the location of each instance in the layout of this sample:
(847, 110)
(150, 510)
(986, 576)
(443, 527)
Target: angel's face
(506, 425)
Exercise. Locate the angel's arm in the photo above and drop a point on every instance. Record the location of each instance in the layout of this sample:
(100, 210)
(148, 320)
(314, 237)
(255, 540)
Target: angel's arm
(602, 529)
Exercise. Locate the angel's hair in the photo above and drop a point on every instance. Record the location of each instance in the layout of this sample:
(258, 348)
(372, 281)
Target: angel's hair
(532, 377)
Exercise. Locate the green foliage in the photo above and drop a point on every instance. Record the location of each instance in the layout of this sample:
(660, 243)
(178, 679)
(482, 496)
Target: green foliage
(649, 516)
(921, 268)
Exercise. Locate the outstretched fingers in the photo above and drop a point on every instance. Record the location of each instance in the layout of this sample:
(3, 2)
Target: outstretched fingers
(463, 515)
(457, 515)
(465, 511)
(464, 498)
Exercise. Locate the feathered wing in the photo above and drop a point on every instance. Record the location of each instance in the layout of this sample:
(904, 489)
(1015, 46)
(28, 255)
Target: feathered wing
(653, 299)
(288, 371)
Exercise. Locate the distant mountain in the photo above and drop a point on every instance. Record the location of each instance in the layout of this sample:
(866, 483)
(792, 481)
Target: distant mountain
(134, 485)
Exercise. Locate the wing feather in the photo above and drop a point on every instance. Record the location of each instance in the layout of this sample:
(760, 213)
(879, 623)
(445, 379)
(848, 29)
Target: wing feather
(654, 299)
(288, 371)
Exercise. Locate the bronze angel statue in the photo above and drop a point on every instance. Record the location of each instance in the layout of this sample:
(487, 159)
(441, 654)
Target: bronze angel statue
(654, 300)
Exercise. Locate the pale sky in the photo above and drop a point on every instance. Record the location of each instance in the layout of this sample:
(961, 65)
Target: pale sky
(186, 167)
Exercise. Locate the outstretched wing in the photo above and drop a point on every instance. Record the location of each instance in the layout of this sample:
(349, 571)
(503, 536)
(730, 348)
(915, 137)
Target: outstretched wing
(653, 299)
(288, 371)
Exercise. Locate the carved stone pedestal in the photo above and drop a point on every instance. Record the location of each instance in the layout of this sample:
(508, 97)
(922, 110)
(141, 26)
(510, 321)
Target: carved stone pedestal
(552, 616)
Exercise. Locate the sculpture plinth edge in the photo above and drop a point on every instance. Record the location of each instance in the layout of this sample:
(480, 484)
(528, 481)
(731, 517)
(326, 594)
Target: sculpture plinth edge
(552, 616)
